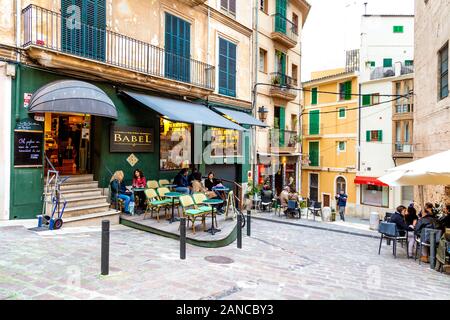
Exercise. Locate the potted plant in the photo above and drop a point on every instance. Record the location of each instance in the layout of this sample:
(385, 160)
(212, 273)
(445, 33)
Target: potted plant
(251, 194)
(303, 207)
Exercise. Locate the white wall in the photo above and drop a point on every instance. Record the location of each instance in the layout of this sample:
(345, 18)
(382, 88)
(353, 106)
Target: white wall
(5, 141)
(378, 41)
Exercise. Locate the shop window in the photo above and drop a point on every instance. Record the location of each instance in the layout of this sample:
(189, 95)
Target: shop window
(377, 196)
(175, 145)
(225, 142)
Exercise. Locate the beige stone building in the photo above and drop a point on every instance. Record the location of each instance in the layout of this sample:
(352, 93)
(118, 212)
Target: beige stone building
(431, 105)
(278, 28)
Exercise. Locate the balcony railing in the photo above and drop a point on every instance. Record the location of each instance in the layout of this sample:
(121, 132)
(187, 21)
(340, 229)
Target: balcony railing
(403, 147)
(384, 72)
(284, 87)
(285, 27)
(283, 138)
(49, 30)
(404, 108)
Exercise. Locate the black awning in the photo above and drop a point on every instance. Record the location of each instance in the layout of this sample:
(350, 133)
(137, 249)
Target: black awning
(72, 96)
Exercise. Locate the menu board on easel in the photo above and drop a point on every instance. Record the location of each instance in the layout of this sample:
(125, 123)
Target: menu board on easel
(28, 142)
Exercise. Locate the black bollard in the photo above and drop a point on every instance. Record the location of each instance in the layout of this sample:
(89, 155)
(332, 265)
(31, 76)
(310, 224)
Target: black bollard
(239, 231)
(249, 221)
(105, 248)
(183, 238)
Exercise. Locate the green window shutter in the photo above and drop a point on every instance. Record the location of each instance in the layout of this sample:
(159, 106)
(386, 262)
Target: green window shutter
(368, 136)
(366, 99)
(177, 48)
(227, 68)
(398, 29)
(282, 125)
(314, 96)
(348, 90)
(342, 113)
(314, 153)
(380, 135)
(387, 63)
(409, 62)
(314, 119)
(372, 63)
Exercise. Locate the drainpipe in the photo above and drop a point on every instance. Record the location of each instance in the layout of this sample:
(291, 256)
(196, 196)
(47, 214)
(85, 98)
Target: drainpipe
(17, 84)
(359, 129)
(255, 95)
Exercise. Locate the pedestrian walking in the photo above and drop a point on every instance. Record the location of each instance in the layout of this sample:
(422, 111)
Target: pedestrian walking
(341, 203)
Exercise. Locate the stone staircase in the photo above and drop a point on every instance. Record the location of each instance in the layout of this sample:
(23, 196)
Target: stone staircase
(86, 205)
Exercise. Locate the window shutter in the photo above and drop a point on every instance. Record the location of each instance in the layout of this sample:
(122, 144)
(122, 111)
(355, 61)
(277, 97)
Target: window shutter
(387, 63)
(342, 113)
(366, 99)
(314, 153)
(227, 68)
(314, 96)
(380, 135)
(314, 122)
(368, 136)
(282, 125)
(348, 90)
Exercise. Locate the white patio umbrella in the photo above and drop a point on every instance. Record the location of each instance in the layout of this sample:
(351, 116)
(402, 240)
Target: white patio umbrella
(432, 170)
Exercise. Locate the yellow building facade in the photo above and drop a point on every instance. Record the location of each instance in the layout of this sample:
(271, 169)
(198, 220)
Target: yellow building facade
(329, 137)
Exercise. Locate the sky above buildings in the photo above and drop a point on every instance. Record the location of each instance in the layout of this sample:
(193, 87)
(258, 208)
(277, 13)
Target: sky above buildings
(333, 27)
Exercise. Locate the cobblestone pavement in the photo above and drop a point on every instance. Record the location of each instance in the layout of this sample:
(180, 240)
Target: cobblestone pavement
(278, 262)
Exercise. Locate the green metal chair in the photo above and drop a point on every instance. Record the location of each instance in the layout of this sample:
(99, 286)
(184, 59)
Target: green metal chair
(155, 204)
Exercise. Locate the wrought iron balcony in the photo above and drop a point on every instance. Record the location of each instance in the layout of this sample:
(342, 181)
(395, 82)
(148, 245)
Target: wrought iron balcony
(397, 70)
(403, 148)
(49, 30)
(284, 87)
(284, 31)
(404, 108)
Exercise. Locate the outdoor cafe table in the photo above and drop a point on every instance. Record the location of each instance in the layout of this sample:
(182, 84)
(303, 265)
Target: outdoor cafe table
(170, 186)
(213, 203)
(140, 193)
(173, 195)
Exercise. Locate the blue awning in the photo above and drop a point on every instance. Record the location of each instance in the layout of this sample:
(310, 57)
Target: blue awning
(240, 117)
(181, 111)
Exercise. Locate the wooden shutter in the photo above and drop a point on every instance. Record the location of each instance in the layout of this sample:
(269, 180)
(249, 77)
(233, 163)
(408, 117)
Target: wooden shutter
(314, 96)
(348, 90)
(177, 45)
(366, 99)
(314, 153)
(368, 137)
(314, 122)
(71, 34)
(227, 68)
(282, 126)
(380, 135)
(387, 63)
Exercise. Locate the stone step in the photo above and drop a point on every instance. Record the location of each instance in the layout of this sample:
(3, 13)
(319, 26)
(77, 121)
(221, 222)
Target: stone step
(68, 194)
(80, 202)
(78, 185)
(92, 219)
(76, 178)
(86, 209)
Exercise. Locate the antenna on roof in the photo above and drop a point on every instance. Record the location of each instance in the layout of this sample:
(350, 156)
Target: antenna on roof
(365, 8)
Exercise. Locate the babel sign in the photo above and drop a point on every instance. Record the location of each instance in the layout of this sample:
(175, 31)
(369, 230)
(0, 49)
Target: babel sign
(131, 139)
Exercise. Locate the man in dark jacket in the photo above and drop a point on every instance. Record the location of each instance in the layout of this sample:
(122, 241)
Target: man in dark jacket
(181, 182)
(341, 199)
(399, 219)
(426, 222)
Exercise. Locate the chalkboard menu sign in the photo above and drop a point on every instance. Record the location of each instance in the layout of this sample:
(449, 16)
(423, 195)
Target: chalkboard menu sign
(28, 142)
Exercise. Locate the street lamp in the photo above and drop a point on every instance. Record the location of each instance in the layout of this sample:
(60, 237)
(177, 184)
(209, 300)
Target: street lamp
(262, 112)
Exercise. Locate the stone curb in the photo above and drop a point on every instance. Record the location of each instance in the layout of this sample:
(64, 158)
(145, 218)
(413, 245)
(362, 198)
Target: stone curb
(319, 228)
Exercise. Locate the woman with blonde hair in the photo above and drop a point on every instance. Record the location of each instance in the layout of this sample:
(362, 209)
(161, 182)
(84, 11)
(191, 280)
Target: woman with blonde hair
(119, 191)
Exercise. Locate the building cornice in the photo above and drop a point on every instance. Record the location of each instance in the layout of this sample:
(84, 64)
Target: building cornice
(329, 79)
(304, 6)
(226, 20)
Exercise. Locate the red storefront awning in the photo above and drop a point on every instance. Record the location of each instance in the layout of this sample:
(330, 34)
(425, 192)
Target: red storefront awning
(370, 181)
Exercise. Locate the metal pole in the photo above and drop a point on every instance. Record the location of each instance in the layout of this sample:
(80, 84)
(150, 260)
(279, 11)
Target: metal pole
(183, 238)
(239, 231)
(249, 212)
(105, 247)
(432, 249)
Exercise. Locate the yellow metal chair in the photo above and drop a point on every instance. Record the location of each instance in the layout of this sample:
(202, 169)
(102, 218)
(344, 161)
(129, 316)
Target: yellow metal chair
(199, 199)
(152, 184)
(162, 193)
(163, 182)
(154, 204)
(191, 212)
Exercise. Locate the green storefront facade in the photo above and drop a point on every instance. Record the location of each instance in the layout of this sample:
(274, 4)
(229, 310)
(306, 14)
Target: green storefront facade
(27, 184)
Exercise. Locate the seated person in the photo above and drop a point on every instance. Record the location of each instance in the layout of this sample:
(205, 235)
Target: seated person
(441, 254)
(181, 181)
(284, 197)
(119, 191)
(210, 181)
(399, 219)
(197, 186)
(411, 219)
(427, 221)
(266, 196)
(444, 221)
(139, 180)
